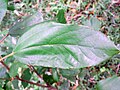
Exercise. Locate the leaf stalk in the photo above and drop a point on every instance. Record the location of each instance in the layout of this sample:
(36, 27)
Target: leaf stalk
(2, 58)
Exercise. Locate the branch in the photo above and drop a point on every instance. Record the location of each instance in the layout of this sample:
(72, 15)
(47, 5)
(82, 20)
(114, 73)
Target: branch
(30, 82)
(9, 79)
(118, 67)
(33, 69)
(4, 38)
(37, 84)
(5, 65)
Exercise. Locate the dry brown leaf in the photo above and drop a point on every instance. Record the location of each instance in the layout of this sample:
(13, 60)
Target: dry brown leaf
(100, 18)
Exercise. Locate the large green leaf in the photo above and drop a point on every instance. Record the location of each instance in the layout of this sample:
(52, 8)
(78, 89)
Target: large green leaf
(112, 83)
(21, 27)
(63, 46)
(3, 8)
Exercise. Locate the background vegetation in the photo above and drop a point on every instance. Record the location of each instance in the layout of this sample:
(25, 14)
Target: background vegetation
(102, 15)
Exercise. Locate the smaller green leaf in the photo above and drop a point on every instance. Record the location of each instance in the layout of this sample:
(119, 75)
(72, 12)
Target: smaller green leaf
(93, 23)
(21, 27)
(26, 75)
(11, 7)
(70, 74)
(14, 68)
(4, 32)
(48, 79)
(41, 70)
(15, 84)
(83, 73)
(65, 85)
(61, 16)
(112, 83)
(9, 86)
(3, 9)
(2, 72)
(55, 75)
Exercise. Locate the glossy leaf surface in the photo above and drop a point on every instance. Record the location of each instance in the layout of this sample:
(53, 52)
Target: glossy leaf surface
(63, 46)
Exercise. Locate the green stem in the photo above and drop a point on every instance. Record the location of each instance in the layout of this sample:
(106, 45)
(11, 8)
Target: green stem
(11, 54)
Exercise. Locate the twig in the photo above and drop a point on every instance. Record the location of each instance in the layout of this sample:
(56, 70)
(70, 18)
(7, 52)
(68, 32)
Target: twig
(30, 82)
(9, 79)
(118, 67)
(87, 7)
(5, 65)
(33, 69)
(4, 38)
(37, 84)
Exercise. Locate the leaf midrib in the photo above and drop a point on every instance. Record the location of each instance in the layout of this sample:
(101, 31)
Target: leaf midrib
(67, 45)
(54, 38)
